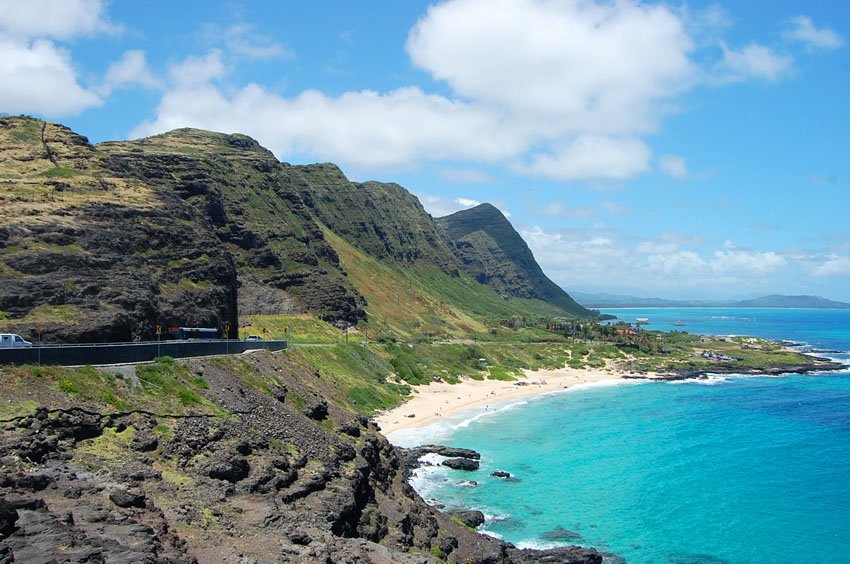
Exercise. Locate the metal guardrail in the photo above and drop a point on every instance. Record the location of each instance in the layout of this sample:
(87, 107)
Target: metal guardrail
(117, 353)
(125, 343)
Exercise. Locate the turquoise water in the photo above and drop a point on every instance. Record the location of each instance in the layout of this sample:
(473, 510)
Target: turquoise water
(736, 469)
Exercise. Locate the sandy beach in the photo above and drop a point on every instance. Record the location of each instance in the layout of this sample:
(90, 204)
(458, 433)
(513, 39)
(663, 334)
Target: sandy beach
(436, 400)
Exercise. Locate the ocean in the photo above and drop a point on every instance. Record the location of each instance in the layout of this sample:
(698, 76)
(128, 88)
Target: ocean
(729, 469)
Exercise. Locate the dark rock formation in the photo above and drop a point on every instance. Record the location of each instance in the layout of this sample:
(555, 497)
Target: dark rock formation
(8, 517)
(501, 474)
(469, 517)
(265, 483)
(126, 498)
(562, 555)
(561, 534)
(461, 463)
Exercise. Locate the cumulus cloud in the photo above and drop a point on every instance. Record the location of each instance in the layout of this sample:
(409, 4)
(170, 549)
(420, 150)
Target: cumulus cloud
(59, 19)
(835, 265)
(441, 206)
(802, 29)
(587, 66)
(753, 61)
(39, 77)
(197, 71)
(559, 89)
(746, 262)
(592, 157)
(130, 70)
(467, 203)
(609, 259)
(674, 165)
(361, 129)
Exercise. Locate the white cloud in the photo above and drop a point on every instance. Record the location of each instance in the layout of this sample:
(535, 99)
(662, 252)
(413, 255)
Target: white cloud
(557, 209)
(556, 89)
(592, 157)
(570, 64)
(59, 19)
(467, 203)
(656, 247)
(746, 262)
(197, 71)
(607, 260)
(614, 208)
(835, 265)
(361, 129)
(801, 28)
(561, 89)
(674, 165)
(131, 69)
(753, 61)
(243, 40)
(465, 175)
(39, 77)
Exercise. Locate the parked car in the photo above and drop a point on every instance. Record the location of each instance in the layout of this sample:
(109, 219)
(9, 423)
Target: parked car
(12, 341)
(253, 338)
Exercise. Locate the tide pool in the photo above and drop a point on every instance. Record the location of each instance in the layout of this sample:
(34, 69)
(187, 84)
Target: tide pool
(732, 469)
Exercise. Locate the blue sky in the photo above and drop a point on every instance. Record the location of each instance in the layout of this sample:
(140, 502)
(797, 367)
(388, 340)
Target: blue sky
(697, 150)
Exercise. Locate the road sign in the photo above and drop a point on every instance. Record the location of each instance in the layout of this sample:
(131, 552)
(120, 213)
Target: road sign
(158, 329)
(227, 328)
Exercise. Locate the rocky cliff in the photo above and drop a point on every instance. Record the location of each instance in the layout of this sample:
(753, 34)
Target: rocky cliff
(491, 251)
(235, 459)
(195, 228)
(384, 220)
(92, 254)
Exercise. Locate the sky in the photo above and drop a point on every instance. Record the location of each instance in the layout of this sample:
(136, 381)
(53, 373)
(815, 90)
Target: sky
(695, 150)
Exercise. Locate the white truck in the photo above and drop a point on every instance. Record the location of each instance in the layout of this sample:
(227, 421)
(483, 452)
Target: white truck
(12, 341)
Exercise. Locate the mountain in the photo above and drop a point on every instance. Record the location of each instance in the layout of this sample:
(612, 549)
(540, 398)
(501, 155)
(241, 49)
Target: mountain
(491, 251)
(104, 242)
(616, 300)
(772, 301)
(776, 300)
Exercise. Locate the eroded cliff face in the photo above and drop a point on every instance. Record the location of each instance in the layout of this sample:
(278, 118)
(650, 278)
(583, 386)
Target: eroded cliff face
(102, 243)
(382, 219)
(87, 254)
(250, 459)
(490, 250)
(194, 228)
(284, 262)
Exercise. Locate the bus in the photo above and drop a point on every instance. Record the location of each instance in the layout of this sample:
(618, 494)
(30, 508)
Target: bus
(195, 333)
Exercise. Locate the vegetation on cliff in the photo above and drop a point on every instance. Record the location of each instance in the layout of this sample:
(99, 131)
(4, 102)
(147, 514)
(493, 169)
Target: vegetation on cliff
(102, 243)
(491, 251)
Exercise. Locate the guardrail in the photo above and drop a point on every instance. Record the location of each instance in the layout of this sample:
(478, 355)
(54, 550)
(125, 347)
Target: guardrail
(117, 353)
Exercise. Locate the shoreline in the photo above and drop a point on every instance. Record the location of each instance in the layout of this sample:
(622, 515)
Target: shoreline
(431, 403)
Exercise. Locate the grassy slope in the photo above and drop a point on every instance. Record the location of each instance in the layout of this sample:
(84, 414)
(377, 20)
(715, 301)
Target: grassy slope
(418, 302)
(297, 328)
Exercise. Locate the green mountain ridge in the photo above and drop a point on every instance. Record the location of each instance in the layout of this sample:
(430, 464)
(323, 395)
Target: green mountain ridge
(191, 227)
(491, 251)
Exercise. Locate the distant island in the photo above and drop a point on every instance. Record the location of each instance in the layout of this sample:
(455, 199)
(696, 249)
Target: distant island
(771, 301)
